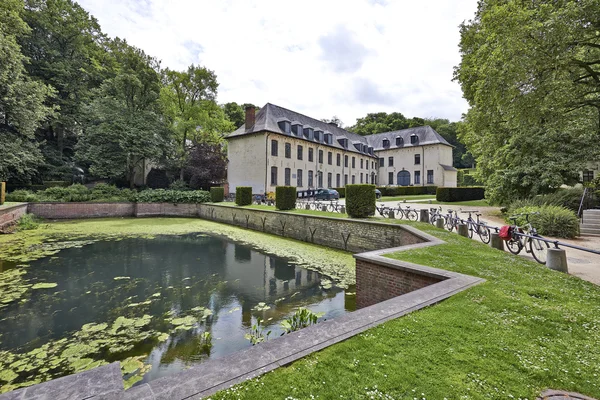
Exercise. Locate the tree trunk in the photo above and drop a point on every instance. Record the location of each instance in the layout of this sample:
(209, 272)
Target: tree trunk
(183, 154)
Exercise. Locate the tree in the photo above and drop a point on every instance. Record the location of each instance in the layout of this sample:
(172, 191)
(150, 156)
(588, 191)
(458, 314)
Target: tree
(207, 165)
(188, 100)
(334, 120)
(22, 108)
(380, 122)
(124, 126)
(531, 75)
(66, 50)
(235, 113)
(449, 131)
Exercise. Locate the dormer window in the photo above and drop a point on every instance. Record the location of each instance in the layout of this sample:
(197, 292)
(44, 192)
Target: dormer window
(399, 141)
(414, 139)
(343, 143)
(386, 143)
(308, 133)
(370, 150)
(328, 138)
(285, 125)
(318, 135)
(297, 128)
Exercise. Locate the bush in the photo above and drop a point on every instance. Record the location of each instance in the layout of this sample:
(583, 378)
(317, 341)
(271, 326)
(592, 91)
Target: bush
(243, 195)
(179, 185)
(568, 198)
(2, 192)
(217, 194)
(157, 179)
(465, 178)
(552, 221)
(105, 192)
(360, 200)
(27, 222)
(341, 191)
(449, 194)
(173, 196)
(22, 196)
(73, 193)
(285, 197)
(406, 190)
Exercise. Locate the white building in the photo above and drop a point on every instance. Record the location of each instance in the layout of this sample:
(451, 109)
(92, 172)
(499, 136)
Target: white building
(281, 147)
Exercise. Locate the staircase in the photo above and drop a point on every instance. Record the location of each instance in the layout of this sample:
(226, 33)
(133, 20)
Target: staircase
(590, 223)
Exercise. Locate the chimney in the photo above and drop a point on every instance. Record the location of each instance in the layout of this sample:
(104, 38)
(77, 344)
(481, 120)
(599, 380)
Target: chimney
(333, 123)
(250, 116)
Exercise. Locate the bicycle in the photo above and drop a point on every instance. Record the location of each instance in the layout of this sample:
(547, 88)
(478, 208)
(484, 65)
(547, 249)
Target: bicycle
(521, 237)
(333, 206)
(435, 214)
(383, 210)
(452, 220)
(408, 213)
(477, 226)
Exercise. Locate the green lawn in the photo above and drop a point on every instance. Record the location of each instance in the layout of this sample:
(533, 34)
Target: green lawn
(470, 203)
(524, 330)
(408, 198)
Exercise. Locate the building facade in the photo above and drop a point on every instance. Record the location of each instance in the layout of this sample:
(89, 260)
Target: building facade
(279, 147)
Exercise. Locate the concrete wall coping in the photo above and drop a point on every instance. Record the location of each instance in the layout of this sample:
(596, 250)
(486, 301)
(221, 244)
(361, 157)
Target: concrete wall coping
(12, 207)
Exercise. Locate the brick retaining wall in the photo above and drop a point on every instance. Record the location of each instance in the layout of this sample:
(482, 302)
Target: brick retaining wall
(10, 215)
(56, 210)
(376, 283)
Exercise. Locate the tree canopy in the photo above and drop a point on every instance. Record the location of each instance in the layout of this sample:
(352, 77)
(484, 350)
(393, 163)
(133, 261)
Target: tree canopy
(531, 75)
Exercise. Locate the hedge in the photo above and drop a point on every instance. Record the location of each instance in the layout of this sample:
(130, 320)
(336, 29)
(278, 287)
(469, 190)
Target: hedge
(451, 194)
(552, 221)
(406, 190)
(285, 197)
(243, 195)
(341, 191)
(360, 200)
(173, 196)
(2, 192)
(217, 194)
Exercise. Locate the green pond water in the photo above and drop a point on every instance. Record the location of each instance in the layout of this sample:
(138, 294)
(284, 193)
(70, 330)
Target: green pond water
(157, 305)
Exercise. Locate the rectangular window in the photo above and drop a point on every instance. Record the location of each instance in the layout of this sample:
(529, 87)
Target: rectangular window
(299, 178)
(353, 179)
(345, 180)
(361, 164)
(320, 178)
(361, 177)
(429, 176)
(288, 177)
(390, 178)
(346, 161)
(417, 159)
(588, 176)
(274, 149)
(337, 180)
(329, 176)
(329, 158)
(320, 156)
(310, 154)
(372, 167)
(367, 167)
(288, 150)
(381, 162)
(338, 159)
(390, 161)
(353, 162)
(273, 176)
(413, 139)
(300, 149)
(310, 178)
(417, 177)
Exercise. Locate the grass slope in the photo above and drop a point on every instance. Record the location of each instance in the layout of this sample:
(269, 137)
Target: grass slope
(524, 330)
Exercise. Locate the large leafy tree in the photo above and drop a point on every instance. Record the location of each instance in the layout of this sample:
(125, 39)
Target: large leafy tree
(531, 74)
(124, 126)
(380, 122)
(188, 101)
(22, 108)
(207, 165)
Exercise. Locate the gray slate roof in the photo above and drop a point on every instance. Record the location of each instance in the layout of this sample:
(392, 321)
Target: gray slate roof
(268, 117)
(425, 134)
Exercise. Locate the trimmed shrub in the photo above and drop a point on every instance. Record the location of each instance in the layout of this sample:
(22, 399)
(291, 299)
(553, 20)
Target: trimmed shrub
(2, 192)
(22, 196)
(341, 191)
(450, 194)
(552, 221)
(243, 195)
(285, 197)
(173, 196)
(360, 200)
(157, 179)
(406, 190)
(217, 194)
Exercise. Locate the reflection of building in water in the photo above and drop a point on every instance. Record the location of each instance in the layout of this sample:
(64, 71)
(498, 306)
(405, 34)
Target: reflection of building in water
(265, 277)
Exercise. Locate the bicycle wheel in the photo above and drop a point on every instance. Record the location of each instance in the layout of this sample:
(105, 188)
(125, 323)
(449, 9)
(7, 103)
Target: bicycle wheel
(514, 246)
(484, 234)
(412, 215)
(471, 228)
(450, 224)
(539, 250)
(385, 212)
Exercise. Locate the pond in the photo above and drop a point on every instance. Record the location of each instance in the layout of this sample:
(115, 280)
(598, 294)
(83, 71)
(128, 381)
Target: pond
(157, 305)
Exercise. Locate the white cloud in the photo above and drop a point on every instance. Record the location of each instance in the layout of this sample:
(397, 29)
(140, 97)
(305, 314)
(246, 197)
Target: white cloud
(320, 58)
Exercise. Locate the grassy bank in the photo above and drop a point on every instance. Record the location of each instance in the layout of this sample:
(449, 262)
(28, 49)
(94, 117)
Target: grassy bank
(524, 330)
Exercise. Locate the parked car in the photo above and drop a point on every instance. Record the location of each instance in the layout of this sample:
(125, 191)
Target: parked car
(377, 193)
(327, 194)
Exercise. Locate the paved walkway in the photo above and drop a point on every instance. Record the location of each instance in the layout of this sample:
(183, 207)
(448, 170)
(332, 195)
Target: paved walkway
(559, 395)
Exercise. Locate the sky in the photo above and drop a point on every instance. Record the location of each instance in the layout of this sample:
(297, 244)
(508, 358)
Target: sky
(320, 58)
